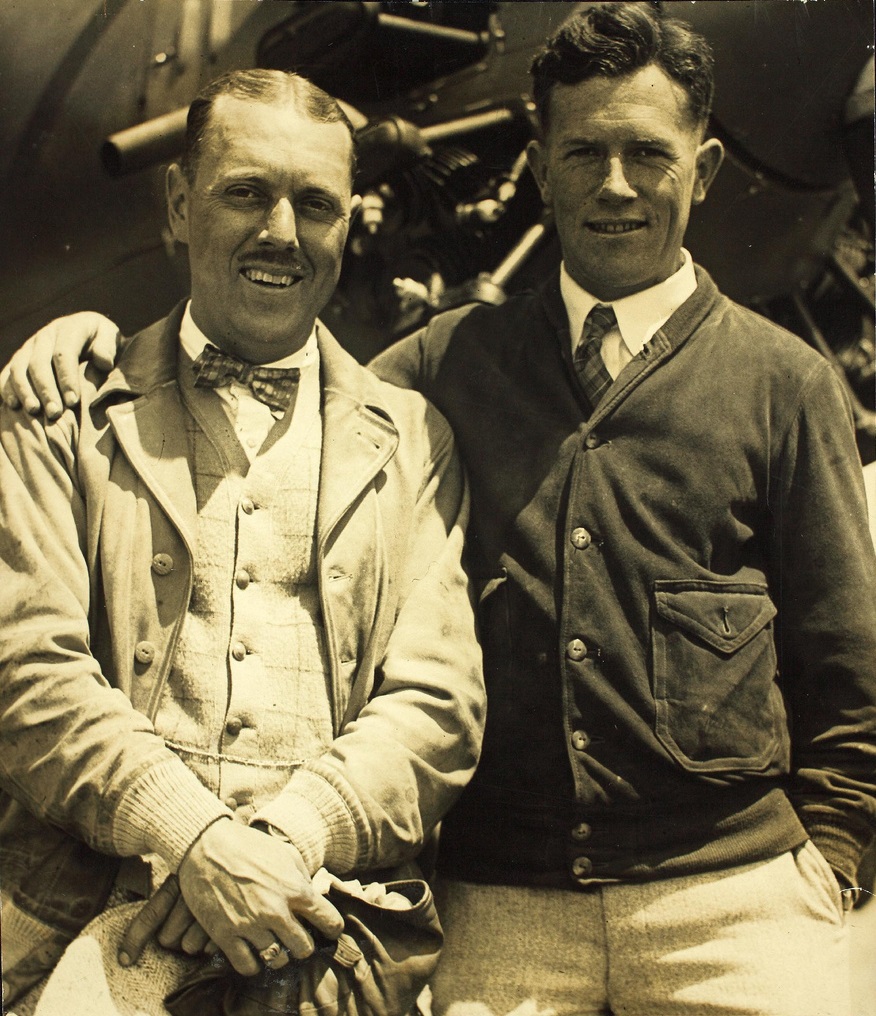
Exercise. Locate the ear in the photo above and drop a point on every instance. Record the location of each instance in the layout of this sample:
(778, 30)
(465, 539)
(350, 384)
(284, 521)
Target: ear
(536, 156)
(709, 157)
(177, 191)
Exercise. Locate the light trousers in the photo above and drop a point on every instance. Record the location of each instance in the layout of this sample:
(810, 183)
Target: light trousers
(764, 939)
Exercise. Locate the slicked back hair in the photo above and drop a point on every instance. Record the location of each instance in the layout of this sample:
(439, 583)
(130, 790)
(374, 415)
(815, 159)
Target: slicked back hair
(271, 87)
(614, 39)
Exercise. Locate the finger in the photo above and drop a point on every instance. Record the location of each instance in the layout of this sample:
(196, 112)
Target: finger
(323, 916)
(296, 938)
(149, 918)
(40, 372)
(196, 941)
(273, 955)
(106, 344)
(239, 954)
(7, 394)
(177, 923)
(210, 949)
(17, 391)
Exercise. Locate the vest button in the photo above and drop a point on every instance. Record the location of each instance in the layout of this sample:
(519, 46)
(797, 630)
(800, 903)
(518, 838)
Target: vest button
(580, 538)
(580, 740)
(234, 726)
(581, 867)
(581, 832)
(592, 441)
(144, 652)
(238, 651)
(241, 579)
(576, 650)
(162, 564)
(246, 506)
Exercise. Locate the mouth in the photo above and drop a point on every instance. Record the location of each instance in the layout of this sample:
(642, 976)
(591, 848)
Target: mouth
(271, 280)
(616, 228)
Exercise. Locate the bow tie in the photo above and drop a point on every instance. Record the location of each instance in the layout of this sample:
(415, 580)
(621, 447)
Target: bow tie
(274, 386)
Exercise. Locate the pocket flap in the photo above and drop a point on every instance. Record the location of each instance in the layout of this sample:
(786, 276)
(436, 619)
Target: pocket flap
(723, 614)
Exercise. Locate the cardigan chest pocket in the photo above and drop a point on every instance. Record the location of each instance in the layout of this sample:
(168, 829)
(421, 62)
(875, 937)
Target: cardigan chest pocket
(718, 706)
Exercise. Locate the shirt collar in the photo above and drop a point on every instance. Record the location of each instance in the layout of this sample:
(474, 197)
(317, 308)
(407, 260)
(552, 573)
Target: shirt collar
(638, 315)
(193, 341)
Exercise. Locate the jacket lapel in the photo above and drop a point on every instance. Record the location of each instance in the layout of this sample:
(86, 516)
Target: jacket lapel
(359, 437)
(150, 423)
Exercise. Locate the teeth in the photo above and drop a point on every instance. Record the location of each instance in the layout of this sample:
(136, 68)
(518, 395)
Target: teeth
(254, 275)
(614, 227)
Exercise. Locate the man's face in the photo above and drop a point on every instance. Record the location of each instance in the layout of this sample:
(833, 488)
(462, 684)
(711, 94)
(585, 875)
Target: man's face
(265, 220)
(621, 166)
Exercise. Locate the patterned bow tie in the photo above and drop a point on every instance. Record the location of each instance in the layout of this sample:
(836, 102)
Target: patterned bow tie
(275, 386)
(589, 365)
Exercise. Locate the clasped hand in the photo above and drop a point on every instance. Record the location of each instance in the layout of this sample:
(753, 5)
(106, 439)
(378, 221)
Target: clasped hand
(241, 890)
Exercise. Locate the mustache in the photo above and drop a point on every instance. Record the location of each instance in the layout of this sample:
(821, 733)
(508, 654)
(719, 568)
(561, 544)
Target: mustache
(284, 261)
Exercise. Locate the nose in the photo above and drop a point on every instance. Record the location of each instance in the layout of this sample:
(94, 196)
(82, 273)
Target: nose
(615, 185)
(279, 229)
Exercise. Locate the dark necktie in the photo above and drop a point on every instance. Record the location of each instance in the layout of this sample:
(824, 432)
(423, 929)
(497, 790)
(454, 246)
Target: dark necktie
(275, 386)
(589, 365)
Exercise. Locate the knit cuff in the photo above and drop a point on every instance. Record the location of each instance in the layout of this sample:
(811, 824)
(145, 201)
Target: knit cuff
(841, 848)
(311, 815)
(165, 811)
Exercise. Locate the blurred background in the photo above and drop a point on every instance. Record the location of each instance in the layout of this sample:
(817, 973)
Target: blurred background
(92, 105)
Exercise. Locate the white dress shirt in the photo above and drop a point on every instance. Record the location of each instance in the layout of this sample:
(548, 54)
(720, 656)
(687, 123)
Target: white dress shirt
(638, 316)
(253, 419)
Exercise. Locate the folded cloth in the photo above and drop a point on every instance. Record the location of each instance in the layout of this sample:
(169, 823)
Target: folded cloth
(387, 952)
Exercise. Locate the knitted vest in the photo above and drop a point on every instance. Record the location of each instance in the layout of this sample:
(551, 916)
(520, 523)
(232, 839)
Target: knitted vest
(247, 698)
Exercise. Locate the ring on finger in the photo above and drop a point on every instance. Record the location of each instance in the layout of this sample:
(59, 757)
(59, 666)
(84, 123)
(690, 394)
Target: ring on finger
(271, 953)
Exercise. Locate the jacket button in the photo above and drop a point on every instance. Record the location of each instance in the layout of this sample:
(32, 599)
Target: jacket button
(581, 866)
(576, 650)
(242, 578)
(234, 726)
(144, 652)
(580, 740)
(581, 832)
(592, 441)
(162, 564)
(246, 506)
(238, 651)
(580, 538)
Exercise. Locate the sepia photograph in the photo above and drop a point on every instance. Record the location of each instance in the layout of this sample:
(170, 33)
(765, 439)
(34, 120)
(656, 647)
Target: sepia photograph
(437, 508)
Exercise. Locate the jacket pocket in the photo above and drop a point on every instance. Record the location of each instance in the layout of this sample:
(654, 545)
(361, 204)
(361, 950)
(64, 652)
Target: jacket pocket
(718, 706)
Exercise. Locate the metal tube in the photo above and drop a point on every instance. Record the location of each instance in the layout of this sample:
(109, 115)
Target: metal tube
(436, 32)
(450, 128)
(145, 144)
(519, 253)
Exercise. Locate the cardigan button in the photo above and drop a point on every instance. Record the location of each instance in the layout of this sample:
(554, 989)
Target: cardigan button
(576, 650)
(580, 740)
(581, 832)
(234, 726)
(238, 651)
(144, 652)
(247, 506)
(580, 538)
(162, 564)
(242, 578)
(581, 867)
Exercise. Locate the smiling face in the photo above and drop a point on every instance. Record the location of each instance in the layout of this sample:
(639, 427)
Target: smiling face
(265, 219)
(621, 165)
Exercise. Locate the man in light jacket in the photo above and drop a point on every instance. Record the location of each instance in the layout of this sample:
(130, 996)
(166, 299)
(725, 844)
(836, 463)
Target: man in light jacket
(237, 642)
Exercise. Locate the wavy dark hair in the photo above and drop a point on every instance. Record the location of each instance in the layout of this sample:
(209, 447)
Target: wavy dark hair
(259, 85)
(613, 39)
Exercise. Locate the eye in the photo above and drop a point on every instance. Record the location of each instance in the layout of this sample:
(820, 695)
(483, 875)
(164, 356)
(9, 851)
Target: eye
(242, 192)
(317, 205)
(651, 152)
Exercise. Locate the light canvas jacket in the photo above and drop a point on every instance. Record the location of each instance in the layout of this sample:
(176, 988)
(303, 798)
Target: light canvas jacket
(98, 520)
